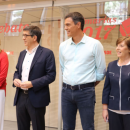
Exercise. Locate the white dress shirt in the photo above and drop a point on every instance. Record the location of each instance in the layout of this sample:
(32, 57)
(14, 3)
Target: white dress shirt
(27, 64)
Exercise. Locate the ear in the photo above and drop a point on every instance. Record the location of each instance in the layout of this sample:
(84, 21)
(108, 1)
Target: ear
(35, 38)
(79, 25)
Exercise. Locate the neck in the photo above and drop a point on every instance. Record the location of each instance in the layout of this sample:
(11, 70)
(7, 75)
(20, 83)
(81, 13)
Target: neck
(124, 60)
(32, 46)
(78, 37)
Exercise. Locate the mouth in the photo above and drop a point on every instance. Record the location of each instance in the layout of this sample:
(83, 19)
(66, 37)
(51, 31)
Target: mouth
(119, 52)
(25, 43)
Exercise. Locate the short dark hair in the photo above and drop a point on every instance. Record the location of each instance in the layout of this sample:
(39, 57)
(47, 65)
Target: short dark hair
(34, 30)
(76, 17)
(126, 39)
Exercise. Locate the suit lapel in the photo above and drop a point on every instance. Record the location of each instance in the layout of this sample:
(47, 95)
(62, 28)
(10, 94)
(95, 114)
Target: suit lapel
(21, 60)
(37, 54)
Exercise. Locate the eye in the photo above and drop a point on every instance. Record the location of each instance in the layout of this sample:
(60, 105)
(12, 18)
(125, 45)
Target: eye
(24, 35)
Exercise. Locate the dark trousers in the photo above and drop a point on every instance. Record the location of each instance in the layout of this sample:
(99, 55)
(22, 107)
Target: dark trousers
(82, 99)
(26, 113)
(119, 121)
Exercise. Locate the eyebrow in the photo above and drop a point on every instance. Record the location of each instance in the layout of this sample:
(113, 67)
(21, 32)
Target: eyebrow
(66, 23)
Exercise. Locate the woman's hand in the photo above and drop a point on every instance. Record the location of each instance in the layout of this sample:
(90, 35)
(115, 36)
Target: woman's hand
(105, 115)
(105, 112)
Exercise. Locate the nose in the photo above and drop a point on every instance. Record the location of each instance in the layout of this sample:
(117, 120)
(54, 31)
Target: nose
(117, 48)
(23, 37)
(65, 27)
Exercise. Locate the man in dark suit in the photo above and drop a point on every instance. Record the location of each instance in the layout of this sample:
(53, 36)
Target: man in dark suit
(35, 70)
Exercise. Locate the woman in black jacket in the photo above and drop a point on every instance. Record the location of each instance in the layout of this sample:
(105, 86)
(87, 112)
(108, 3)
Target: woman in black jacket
(116, 92)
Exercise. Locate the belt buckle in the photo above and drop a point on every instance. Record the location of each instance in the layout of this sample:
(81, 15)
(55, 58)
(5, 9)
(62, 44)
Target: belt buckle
(25, 92)
(71, 87)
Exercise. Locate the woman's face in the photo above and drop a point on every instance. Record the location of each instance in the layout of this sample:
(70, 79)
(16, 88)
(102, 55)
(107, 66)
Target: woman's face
(122, 50)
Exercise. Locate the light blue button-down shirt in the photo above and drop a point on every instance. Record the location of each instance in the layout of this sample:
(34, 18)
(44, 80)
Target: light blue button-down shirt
(83, 62)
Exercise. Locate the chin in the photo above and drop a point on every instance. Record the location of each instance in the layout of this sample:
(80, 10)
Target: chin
(69, 35)
(119, 56)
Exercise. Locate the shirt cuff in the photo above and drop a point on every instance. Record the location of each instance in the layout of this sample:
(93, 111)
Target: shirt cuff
(100, 77)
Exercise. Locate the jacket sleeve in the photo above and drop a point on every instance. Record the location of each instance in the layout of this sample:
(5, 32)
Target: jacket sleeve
(106, 89)
(4, 69)
(16, 73)
(45, 80)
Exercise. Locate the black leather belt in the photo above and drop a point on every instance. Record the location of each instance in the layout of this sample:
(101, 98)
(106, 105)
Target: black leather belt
(80, 86)
(24, 91)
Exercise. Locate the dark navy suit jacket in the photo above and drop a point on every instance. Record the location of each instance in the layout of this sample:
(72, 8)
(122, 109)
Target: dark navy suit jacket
(42, 73)
(116, 92)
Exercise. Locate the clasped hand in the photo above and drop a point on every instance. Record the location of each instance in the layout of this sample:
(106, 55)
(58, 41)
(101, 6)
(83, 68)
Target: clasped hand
(23, 85)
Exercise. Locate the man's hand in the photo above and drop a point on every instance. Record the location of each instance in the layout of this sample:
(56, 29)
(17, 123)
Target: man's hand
(17, 82)
(26, 85)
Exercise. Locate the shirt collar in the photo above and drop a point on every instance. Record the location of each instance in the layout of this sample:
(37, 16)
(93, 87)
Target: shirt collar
(33, 50)
(82, 41)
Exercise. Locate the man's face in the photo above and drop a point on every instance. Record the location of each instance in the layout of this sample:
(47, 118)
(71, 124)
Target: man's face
(27, 38)
(70, 27)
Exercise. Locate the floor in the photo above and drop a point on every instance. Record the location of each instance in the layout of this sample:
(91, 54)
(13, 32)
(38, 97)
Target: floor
(12, 125)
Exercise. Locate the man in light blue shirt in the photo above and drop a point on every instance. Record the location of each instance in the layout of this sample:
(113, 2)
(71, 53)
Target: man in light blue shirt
(82, 63)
